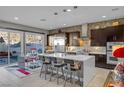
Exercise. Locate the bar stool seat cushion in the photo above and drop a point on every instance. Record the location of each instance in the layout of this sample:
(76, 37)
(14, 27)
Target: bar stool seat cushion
(46, 63)
(59, 65)
(72, 68)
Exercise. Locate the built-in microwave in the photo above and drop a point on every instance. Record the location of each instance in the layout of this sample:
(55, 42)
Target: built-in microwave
(111, 59)
(110, 44)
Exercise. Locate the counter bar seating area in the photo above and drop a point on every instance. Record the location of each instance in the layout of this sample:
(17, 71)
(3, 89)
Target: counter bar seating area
(58, 68)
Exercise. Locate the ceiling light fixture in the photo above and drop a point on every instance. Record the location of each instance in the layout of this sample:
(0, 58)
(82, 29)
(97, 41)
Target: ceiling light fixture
(68, 10)
(16, 18)
(42, 19)
(64, 24)
(115, 9)
(64, 10)
(103, 16)
(75, 7)
(55, 13)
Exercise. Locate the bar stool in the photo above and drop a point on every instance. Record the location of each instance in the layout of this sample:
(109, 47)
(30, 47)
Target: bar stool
(56, 65)
(46, 63)
(70, 70)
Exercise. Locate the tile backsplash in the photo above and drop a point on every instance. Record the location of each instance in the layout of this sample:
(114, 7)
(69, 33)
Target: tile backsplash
(97, 49)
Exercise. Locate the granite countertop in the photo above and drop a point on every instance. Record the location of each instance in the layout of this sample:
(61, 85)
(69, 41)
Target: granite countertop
(81, 58)
(102, 53)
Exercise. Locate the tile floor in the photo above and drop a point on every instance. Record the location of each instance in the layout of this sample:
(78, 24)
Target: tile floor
(7, 79)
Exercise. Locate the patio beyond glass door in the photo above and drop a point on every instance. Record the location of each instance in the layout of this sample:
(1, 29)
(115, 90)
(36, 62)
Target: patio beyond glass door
(3, 48)
(33, 47)
(34, 41)
(15, 46)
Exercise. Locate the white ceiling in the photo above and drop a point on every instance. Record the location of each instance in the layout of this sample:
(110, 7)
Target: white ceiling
(31, 15)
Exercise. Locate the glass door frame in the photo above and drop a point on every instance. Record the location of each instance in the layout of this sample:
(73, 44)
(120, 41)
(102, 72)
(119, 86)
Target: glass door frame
(23, 41)
(4, 30)
(8, 32)
(33, 33)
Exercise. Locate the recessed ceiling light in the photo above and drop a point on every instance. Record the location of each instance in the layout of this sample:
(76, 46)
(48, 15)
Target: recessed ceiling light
(64, 10)
(64, 24)
(115, 9)
(55, 13)
(42, 19)
(75, 7)
(68, 10)
(16, 18)
(103, 16)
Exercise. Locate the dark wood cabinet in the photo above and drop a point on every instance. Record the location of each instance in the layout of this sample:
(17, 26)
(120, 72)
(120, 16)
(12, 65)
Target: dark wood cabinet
(101, 61)
(117, 34)
(67, 35)
(99, 37)
(72, 38)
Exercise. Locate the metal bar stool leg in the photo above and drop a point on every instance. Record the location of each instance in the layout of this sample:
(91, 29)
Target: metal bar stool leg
(70, 77)
(62, 71)
(57, 75)
(73, 78)
(65, 79)
(51, 74)
(45, 71)
(41, 70)
(79, 78)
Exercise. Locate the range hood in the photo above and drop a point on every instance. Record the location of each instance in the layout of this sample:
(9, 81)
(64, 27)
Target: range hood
(84, 31)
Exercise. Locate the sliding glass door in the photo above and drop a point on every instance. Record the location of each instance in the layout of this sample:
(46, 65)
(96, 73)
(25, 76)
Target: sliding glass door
(39, 43)
(4, 48)
(33, 47)
(15, 46)
(15, 43)
(10, 46)
(34, 41)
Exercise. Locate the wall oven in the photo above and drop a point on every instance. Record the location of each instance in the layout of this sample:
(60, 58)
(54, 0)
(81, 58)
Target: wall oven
(110, 58)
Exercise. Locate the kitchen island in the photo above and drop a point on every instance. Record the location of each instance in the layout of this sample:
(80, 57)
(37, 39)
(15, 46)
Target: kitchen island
(87, 64)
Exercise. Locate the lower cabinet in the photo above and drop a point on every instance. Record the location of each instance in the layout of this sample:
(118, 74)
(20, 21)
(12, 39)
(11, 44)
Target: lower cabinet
(101, 61)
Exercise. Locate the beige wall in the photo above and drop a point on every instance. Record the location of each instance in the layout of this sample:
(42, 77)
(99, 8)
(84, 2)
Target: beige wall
(67, 29)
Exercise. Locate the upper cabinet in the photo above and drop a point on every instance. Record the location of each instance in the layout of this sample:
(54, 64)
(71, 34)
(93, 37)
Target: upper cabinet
(99, 37)
(74, 38)
(116, 35)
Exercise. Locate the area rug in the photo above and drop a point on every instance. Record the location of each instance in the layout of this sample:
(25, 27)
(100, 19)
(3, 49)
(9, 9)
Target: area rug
(19, 72)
